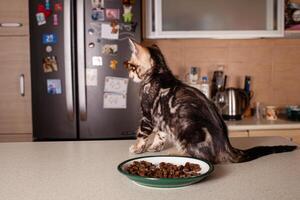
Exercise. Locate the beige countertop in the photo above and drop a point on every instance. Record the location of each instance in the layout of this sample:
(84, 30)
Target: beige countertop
(262, 124)
(87, 170)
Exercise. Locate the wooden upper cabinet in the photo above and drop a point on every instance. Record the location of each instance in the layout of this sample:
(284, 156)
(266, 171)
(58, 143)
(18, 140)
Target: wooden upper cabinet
(213, 19)
(14, 17)
(15, 107)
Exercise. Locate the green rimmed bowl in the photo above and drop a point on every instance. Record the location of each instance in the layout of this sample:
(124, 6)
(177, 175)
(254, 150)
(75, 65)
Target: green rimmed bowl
(206, 169)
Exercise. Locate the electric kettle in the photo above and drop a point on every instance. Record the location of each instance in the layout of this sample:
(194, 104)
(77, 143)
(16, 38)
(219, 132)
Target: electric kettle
(232, 103)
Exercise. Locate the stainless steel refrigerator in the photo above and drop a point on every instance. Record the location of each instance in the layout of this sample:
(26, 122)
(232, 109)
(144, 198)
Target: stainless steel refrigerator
(80, 89)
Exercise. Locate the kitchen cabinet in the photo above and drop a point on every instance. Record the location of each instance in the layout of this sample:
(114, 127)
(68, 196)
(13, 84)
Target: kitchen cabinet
(13, 17)
(214, 19)
(238, 134)
(15, 91)
(15, 95)
(293, 135)
(252, 127)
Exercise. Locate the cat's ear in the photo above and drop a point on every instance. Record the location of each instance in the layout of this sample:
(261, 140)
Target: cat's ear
(134, 47)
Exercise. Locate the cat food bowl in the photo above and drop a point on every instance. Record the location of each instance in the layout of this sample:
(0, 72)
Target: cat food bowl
(206, 169)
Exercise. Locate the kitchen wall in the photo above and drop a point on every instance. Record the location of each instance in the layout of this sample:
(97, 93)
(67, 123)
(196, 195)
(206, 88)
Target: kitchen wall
(274, 64)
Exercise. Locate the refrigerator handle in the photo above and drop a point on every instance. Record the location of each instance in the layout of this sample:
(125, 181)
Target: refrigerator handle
(68, 59)
(81, 60)
(22, 85)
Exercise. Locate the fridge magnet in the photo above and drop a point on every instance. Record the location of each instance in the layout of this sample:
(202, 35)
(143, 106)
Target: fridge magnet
(110, 49)
(112, 14)
(114, 101)
(50, 64)
(50, 38)
(128, 2)
(91, 44)
(97, 4)
(47, 4)
(41, 9)
(40, 18)
(97, 61)
(49, 49)
(127, 15)
(110, 31)
(116, 85)
(128, 27)
(54, 86)
(133, 26)
(55, 19)
(114, 27)
(97, 14)
(58, 7)
(113, 64)
(96, 27)
(91, 77)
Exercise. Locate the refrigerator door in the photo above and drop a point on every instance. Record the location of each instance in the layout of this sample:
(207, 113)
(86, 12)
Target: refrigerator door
(53, 103)
(109, 105)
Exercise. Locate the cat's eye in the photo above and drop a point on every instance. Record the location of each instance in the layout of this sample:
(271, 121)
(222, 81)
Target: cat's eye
(130, 66)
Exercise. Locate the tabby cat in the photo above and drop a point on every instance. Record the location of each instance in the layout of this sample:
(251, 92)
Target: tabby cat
(181, 114)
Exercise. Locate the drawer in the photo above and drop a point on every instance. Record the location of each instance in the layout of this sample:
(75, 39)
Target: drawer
(238, 134)
(293, 135)
(14, 17)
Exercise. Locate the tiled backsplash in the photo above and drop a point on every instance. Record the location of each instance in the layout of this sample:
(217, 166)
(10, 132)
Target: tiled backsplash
(273, 64)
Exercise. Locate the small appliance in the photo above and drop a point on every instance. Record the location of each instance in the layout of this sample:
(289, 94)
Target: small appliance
(234, 102)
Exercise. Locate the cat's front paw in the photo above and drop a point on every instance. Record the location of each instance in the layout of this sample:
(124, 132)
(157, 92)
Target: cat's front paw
(136, 148)
(156, 147)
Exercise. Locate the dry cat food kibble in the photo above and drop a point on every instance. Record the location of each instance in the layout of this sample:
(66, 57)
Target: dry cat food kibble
(163, 170)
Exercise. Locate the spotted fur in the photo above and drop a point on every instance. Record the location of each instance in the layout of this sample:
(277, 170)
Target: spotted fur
(177, 112)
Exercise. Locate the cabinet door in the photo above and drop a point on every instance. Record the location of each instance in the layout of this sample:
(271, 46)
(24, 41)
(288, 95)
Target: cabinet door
(296, 139)
(15, 109)
(13, 17)
(292, 135)
(238, 134)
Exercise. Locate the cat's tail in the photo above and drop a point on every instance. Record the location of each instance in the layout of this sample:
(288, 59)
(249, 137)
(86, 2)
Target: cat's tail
(259, 151)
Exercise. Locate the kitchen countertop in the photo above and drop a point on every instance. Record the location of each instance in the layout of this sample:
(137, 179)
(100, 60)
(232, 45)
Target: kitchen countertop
(87, 170)
(261, 124)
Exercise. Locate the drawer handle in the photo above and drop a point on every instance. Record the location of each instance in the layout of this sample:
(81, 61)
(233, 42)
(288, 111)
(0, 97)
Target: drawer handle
(10, 25)
(22, 85)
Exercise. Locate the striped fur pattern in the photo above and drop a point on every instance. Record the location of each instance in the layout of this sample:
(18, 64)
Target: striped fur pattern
(178, 113)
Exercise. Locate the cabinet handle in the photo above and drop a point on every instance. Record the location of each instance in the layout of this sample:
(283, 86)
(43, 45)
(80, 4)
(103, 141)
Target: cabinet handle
(11, 25)
(22, 85)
